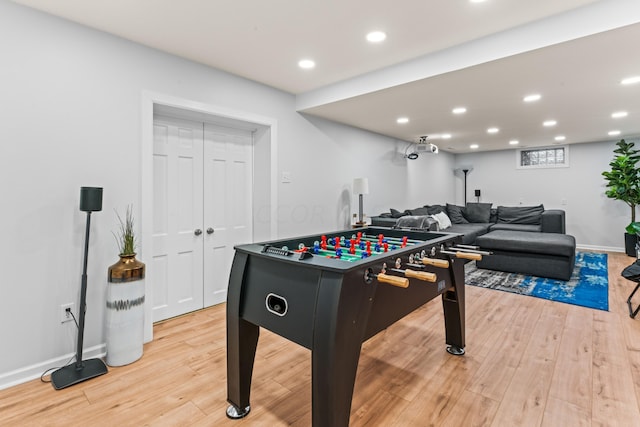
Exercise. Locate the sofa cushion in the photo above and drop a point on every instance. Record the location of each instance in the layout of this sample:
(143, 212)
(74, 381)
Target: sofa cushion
(469, 231)
(422, 211)
(520, 214)
(455, 213)
(493, 216)
(396, 213)
(434, 209)
(516, 227)
(527, 242)
(383, 222)
(478, 212)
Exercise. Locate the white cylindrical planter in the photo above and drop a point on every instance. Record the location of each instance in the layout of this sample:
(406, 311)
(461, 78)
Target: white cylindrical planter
(125, 311)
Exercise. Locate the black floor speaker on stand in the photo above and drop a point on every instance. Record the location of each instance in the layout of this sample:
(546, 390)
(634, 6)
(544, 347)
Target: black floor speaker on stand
(81, 370)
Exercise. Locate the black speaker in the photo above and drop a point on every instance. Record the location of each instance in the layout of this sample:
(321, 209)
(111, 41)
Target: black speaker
(90, 199)
(477, 193)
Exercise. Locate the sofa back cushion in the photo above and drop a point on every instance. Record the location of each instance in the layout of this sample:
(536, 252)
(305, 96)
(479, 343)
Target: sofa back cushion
(478, 212)
(396, 213)
(456, 214)
(434, 209)
(421, 211)
(520, 214)
(493, 217)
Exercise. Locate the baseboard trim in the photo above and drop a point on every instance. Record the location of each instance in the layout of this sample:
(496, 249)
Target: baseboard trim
(595, 248)
(33, 372)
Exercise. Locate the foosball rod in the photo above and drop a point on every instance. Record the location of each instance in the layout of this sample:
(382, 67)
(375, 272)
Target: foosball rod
(436, 262)
(357, 250)
(401, 282)
(474, 249)
(420, 275)
(345, 256)
(464, 255)
(390, 239)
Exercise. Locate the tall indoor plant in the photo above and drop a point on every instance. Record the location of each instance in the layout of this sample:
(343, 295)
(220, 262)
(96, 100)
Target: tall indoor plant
(623, 183)
(125, 298)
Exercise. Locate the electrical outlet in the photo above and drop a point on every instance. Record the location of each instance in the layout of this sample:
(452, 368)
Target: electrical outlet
(65, 312)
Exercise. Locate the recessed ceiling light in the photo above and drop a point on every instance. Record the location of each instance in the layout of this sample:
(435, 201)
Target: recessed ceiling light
(474, 146)
(459, 110)
(560, 138)
(619, 114)
(477, 1)
(493, 130)
(306, 64)
(514, 142)
(533, 97)
(376, 36)
(402, 120)
(630, 80)
(445, 136)
(614, 133)
(549, 123)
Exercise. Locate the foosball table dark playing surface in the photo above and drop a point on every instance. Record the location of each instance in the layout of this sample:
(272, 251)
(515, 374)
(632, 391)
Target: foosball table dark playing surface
(330, 293)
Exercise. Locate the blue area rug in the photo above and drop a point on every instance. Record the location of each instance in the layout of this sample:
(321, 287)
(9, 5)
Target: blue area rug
(587, 287)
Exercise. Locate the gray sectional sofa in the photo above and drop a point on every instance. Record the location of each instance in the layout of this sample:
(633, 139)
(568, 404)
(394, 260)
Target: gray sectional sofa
(522, 239)
(476, 219)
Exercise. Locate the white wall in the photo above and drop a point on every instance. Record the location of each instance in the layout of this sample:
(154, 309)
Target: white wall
(71, 117)
(591, 217)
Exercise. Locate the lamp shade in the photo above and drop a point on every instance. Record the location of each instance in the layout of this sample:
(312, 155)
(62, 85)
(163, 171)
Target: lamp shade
(361, 186)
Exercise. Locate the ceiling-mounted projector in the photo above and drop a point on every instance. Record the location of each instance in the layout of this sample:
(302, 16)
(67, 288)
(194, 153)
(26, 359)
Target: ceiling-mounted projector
(414, 150)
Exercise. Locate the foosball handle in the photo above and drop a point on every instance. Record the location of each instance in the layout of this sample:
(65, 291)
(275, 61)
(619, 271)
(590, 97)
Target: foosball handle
(401, 282)
(421, 275)
(436, 262)
(469, 255)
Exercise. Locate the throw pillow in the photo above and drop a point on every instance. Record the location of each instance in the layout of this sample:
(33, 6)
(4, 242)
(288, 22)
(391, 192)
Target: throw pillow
(396, 213)
(419, 211)
(456, 213)
(443, 220)
(434, 209)
(494, 215)
(478, 212)
(520, 214)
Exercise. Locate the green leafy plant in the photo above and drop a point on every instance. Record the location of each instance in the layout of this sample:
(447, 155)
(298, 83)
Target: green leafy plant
(126, 238)
(623, 181)
(633, 228)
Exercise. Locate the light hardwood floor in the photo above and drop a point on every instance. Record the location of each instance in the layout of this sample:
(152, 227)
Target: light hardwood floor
(529, 362)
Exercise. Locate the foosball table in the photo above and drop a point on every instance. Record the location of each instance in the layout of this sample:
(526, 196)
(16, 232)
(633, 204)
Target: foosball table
(330, 293)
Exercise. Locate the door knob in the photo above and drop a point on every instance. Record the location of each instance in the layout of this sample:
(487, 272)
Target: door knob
(197, 232)
(210, 230)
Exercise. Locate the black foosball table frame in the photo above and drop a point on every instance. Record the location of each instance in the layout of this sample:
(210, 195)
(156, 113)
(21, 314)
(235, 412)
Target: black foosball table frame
(331, 307)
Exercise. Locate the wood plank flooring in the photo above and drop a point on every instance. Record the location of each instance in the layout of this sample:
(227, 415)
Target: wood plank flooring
(529, 362)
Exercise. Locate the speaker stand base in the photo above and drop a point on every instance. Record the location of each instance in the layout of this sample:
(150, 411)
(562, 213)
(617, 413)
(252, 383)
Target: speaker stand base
(77, 372)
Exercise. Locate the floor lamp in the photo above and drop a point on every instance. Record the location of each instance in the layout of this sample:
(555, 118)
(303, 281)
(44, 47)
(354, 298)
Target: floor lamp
(466, 172)
(360, 187)
(81, 370)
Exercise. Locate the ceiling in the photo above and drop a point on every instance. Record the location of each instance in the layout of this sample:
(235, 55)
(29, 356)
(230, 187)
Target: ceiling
(438, 55)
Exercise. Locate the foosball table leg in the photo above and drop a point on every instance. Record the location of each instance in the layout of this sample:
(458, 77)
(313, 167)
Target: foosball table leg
(455, 350)
(632, 312)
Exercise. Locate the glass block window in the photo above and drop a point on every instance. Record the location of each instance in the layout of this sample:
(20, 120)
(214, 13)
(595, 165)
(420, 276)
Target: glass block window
(547, 157)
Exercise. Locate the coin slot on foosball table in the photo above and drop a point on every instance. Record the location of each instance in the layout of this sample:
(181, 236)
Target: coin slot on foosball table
(276, 304)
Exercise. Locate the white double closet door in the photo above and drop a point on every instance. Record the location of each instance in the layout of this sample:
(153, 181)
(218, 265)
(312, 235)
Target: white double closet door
(202, 200)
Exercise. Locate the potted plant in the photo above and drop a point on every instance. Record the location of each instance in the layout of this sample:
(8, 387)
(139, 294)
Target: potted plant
(125, 298)
(623, 183)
